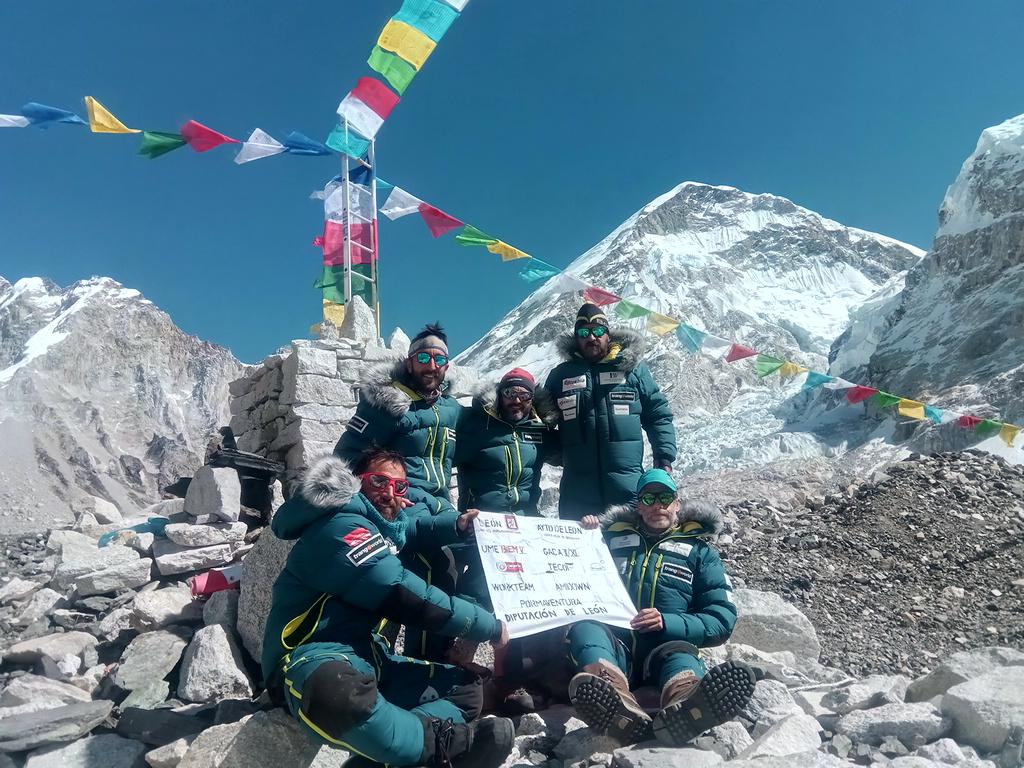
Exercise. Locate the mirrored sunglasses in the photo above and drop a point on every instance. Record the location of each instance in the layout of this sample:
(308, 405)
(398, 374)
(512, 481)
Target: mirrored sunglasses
(380, 481)
(517, 393)
(648, 499)
(424, 358)
(597, 332)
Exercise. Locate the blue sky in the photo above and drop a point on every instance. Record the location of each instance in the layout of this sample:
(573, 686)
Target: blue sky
(543, 122)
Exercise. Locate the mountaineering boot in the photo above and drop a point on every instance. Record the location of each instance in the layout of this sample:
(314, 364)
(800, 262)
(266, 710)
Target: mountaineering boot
(603, 701)
(688, 710)
(480, 744)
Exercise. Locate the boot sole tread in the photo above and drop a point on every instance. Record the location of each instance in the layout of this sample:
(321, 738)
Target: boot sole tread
(723, 692)
(599, 706)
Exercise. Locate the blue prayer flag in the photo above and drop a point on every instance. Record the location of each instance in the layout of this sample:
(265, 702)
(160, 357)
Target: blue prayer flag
(815, 379)
(537, 271)
(431, 17)
(933, 413)
(300, 144)
(348, 143)
(44, 116)
(692, 338)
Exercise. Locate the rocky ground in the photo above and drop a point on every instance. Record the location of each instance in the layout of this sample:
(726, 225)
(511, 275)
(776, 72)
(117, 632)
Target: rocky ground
(109, 659)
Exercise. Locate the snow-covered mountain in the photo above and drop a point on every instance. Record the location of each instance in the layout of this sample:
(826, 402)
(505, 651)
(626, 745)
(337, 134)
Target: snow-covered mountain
(100, 393)
(757, 269)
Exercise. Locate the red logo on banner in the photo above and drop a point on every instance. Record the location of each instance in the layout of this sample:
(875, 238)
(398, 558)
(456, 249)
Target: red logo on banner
(510, 567)
(511, 523)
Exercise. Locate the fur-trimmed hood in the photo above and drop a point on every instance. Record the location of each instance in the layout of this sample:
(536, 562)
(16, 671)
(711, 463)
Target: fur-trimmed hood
(378, 388)
(631, 352)
(486, 401)
(707, 515)
(326, 486)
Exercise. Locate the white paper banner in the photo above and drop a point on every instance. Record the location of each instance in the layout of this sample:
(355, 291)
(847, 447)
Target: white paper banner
(544, 573)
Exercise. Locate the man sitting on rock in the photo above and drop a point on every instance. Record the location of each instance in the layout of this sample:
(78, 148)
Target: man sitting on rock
(684, 598)
(320, 655)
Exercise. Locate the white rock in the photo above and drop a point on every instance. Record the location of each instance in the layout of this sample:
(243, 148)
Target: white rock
(873, 691)
(399, 342)
(158, 608)
(360, 323)
(583, 742)
(102, 510)
(79, 556)
(941, 751)
(119, 577)
(810, 759)
(164, 508)
(214, 491)
(260, 570)
(273, 739)
(55, 646)
(17, 589)
(789, 736)
(114, 623)
(149, 657)
(208, 748)
(171, 558)
(307, 388)
(641, 756)
(28, 688)
(204, 535)
(961, 667)
(222, 608)
(728, 739)
(89, 680)
(69, 665)
(169, 755)
(309, 359)
(213, 668)
(986, 708)
(140, 542)
(769, 623)
(770, 702)
(39, 605)
(108, 750)
(904, 721)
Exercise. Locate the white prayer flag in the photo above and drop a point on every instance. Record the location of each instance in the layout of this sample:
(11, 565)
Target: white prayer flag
(13, 121)
(458, 5)
(566, 283)
(838, 383)
(257, 146)
(713, 346)
(360, 117)
(400, 203)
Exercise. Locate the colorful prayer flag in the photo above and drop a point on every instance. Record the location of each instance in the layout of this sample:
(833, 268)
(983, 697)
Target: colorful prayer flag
(431, 17)
(790, 370)
(296, 143)
(858, 394)
(660, 324)
(716, 346)
(101, 121)
(13, 121)
(332, 283)
(42, 116)
(400, 203)
(568, 283)
(202, 138)
(885, 400)
(347, 141)
(600, 296)
(934, 414)
(506, 251)
(367, 106)
(334, 313)
(988, 428)
(739, 352)
(1009, 433)
(259, 145)
(912, 409)
(397, 71)
(627, 310)
(815, 380)
(470, 235)
(691, 338)
(968, 421)
(537, 271)
(437, 220)
(458, 5)
(155, 143)
(835, 383)
(408, 42)
(765, 365)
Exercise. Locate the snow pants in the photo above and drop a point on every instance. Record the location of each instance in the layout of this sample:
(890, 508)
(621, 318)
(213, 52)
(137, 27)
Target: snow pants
(437, 569)
(376, 704)
(590, 641)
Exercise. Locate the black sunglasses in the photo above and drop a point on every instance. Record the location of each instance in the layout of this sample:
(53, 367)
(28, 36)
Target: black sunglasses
(597, 332)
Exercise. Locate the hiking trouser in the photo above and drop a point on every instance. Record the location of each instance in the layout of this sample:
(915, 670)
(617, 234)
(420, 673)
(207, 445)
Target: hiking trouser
(436, 569)
(590, 641)
(375, 706)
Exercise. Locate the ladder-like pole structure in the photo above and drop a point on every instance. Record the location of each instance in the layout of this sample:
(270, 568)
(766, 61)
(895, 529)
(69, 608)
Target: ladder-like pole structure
(351, 216)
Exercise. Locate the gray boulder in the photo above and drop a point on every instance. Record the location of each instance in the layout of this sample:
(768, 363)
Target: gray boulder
(728, 740)
(648, 756)
(769, 623)
(172, 558)
(810, 759)
(274, 738)
(214, 491)
(904, 721)
(260, 570)
(51, 726)
(119, 577)
(789, 736)
(208, 748)
(160, 607)
(205, 535)
(149, 658)
(986, 708)
(27, 689)
(770, 702)
(873, 691)
(961, 667)
(79, 556)
(102, 510)
(55, 646)
(107, 750)
(169, 755)
(583, 742)
(213, 668)
(222, 608)
(39, 605)
(17, 589)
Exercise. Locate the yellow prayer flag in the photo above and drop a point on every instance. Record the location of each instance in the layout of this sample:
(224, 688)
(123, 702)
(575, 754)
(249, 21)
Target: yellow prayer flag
(661, 324)
(101, 121)
(789, 370)
(334, 313)
(406, 41)
(506, 251)
(1009, 433)
(912, 409)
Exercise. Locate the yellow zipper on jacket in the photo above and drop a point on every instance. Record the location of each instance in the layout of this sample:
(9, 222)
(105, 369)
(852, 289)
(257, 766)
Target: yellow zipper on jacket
(519, 455)
(657, 575)
(444, 448)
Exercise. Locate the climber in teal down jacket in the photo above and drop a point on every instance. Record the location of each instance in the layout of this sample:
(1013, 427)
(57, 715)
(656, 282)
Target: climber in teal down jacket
(606, 397)
(684, 601)
(320, 654)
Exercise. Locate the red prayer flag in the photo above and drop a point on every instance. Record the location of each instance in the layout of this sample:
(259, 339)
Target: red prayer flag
(969, 422)
(203, 139)
(600, 296)
(437, 220)
(377, 96)
(738, 352)
(333, 242)
(859, 394)
(318, 241)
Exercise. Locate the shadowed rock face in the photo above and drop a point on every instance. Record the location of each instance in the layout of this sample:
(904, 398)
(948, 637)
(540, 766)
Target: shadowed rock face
(100, 393)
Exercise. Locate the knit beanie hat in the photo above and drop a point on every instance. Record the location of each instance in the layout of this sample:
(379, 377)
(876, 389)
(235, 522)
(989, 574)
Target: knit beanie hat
(431, 337)
(590, 313)
(518, 377)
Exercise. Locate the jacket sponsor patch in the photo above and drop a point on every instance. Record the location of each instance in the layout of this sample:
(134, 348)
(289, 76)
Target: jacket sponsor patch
(622, 395)
(677, 571)
(357, 537)
(531, 436)
(620, 409)
(576, 382)
(364, 551)
(611, 377)
(629, 540)
(679, 547)
(357, 424)
(569, 401)
(569, 414)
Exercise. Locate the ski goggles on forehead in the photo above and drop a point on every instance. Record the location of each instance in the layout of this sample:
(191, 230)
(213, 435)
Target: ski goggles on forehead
(517, 393)
(665, 498)
(597, 332)
(379, 481)
(424, 358)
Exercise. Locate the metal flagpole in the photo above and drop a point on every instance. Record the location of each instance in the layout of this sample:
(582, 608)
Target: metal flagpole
(347, 223)
(374, 236)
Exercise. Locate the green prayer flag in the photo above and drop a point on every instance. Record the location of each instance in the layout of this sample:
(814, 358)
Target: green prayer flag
(627, 310)
(396, 70)
(767, 365)
(332, 283)
(470, 235)
(155, 143)
(885, 400)
(988, 427)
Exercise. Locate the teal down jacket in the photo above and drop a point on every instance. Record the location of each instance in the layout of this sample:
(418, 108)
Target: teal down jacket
(393, 415)
(499, 462)
(344, 575)
(677, 572)
(604, 408)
